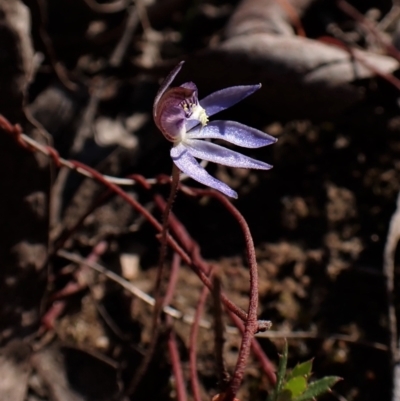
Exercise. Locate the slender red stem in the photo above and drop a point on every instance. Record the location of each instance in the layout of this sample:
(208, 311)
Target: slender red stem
(58, 304)
(195, 261)
(173, 278)
(194, 379)
(258, 352)
(176, 367)
(137, 206)
(164, 232)
(65, 235)
(251, 323)
(181, 394)
(159, 287)
(199, 265)
(219, 336)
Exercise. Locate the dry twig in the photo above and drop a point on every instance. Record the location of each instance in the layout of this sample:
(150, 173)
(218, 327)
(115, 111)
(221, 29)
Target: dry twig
(392, 240)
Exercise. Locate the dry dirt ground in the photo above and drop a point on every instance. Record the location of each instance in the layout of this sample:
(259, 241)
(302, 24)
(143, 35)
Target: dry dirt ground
(319, 218)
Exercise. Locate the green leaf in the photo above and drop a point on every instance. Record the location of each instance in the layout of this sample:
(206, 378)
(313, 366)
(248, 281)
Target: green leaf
(302, 369)
(280, 374)
(317, 388)
(296, 385)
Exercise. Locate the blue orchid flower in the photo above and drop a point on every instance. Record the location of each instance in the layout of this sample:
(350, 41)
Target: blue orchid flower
(183, 120)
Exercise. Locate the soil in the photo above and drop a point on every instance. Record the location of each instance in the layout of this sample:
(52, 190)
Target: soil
(319, 219)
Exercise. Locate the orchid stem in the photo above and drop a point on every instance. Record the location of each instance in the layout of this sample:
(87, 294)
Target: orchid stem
(165, 223)
(223, 375)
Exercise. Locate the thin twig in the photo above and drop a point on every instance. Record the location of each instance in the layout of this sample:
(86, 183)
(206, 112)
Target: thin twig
(39, 10)
(357, 55)
(128, 286)
(126, 38)
(85, 129)
(58, 304)
(144, 18)
(59, 240)
(390, 18)
(110, 8)
(357, 16)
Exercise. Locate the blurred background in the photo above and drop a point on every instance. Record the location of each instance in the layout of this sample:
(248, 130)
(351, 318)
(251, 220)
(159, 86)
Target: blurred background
(81, 76)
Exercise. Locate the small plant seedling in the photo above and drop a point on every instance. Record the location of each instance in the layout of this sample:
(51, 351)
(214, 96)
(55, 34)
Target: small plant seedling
(295, 385)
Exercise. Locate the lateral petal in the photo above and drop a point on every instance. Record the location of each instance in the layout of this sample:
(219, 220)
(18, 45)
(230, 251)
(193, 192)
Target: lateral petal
(188, 164)
(227, 97)
(218, 154)
(233, 132)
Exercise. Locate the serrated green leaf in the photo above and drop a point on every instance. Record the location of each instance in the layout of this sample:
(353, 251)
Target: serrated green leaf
(280, 374)
(296, 385)
(317, 388)
(302, 369)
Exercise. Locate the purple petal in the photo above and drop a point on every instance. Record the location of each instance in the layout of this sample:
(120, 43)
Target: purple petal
(166, 83)
(218, 154)
(171, 122)
(233, 132)
(190, 85)
(172, 111)
(189, 165)
(227, 97)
